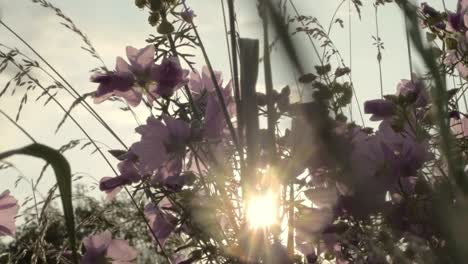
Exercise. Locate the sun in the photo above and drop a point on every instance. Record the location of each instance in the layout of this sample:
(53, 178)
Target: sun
(262, 211)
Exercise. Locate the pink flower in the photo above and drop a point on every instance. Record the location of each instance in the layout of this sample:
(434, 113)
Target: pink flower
(458, 21)
(128, 175)
(379, 108)
(160, 140)
(379, 163)
(128, 80)
(215, 121)
(8, 209)
(202, 84)
(141, 61)
(101, 247)
(414, 88)
(204, 93)
(169, 77)
(162, 222)
(118, 83)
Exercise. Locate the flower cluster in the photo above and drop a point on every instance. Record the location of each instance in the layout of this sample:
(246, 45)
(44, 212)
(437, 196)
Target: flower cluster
(141, 76)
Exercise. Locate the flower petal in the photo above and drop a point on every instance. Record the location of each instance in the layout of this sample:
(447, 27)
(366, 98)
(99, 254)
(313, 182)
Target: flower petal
(120, 250)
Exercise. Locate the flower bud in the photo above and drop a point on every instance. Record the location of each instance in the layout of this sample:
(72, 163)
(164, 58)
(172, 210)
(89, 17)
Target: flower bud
(153, 19)
(188, 15)
(165, 27)
(155, 5)
(140, 3)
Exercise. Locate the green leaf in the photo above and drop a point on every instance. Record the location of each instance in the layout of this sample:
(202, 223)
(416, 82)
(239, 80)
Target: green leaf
(430, 36)
(307, 78)
(63, 175)
(323, 70)
(451, 43)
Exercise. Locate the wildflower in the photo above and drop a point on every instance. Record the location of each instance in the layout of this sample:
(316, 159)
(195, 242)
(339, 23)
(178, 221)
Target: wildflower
(458, 21)
(169, 77)
(366, 157)
(8, 209)
(141, 61)
(188, 15)
(169, 174)
(413, 88)
(201, 84)
(162, 223)
(128, 175)
(101, 248)
(215, 121)
(403, 154)
(128, 80)
(118, 83)
(379, 108)
(378, 163)
(159, 142)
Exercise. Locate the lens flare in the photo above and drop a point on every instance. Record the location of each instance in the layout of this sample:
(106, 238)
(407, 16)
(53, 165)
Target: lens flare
(262, 211)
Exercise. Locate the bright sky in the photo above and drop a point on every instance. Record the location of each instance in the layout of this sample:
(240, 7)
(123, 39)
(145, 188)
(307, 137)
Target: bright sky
(113, 24)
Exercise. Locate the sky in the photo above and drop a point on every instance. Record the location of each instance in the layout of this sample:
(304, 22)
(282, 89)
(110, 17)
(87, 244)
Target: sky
(113, 24)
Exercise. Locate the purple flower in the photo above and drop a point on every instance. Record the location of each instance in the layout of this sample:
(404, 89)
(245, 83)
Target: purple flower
(160, 140)
(413, 88)
(128, 175)
(458, 21)
(188, 15)
(179, 132)
(162, 223)
(151, 150)
(215, 121)
(378, 162)
(141, 61)
(403, 154)
(101, 247)
(127, 80)
(202, 84)
(379, 108)
(366, 157)
(169, 174)
(8, 209)
(169, 77)
(204, 93)
(115, 84)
